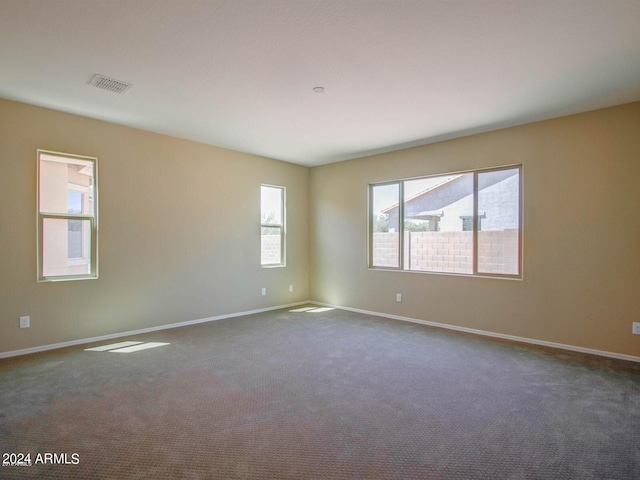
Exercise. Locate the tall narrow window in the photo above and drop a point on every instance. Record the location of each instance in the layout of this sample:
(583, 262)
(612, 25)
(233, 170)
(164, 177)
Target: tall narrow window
(499, 233)
(272, 223)
(464, 223)
(67, 217)
(385, 225)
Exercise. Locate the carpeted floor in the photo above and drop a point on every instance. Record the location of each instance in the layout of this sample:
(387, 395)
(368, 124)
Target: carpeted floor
(319, 395)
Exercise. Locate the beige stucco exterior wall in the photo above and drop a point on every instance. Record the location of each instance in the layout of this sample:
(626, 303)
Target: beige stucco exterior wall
(581, 234)
(179, 231)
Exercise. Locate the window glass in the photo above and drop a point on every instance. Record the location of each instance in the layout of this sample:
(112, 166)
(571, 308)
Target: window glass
(74, 202)
(62, 182)
(65, 247)
(385, 225)
(499, 230)
(272, 214)
(271, 205)
(67, 220)
(437, 227)
(434, 236)
(271, 241)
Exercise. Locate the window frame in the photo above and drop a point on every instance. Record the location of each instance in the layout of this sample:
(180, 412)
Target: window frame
(476, 217)
(42, 216)
(281, 226)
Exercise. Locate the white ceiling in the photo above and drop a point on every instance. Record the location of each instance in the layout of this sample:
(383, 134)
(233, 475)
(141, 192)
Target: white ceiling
(240, 73)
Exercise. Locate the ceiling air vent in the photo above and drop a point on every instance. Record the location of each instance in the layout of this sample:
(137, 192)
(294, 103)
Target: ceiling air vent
(106, 83)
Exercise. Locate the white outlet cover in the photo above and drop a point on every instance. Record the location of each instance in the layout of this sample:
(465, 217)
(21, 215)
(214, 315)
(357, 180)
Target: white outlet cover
(635, 329)
(25, 321)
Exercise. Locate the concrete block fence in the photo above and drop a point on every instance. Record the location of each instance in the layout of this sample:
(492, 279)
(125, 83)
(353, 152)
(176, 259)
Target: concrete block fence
(450, 252)
(270, 249)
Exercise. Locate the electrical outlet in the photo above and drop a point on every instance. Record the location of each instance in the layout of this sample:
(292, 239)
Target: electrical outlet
(635, 329)
(399, 297)
(291, 288)
(25, 321)
(264, 292)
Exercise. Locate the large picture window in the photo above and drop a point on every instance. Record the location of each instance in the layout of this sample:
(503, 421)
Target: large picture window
(67, 217)
(272, 223)
(465, 223)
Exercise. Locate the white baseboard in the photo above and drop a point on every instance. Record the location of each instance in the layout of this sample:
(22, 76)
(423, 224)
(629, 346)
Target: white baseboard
(111, 336)
(619, 356)
(53, 346)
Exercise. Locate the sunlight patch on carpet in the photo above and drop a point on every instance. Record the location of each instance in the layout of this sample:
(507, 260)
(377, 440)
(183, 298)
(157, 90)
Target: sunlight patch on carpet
(126, 347)
(313, 309)
(143, 346)
(111, 346)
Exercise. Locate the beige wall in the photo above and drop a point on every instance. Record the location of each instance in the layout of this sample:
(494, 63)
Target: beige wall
(581, 234)
(183, 243)
(179, 231)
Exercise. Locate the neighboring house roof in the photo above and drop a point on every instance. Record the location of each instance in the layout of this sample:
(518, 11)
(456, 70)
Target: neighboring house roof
(424, 192)
(429, 207)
